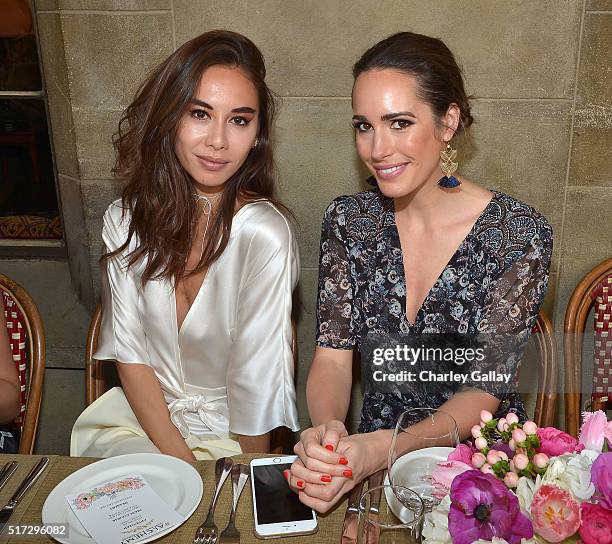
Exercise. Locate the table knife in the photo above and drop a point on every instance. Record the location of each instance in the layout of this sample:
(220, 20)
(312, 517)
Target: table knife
(7, 471)
(23, 488)
(373, 531)
(349, 527)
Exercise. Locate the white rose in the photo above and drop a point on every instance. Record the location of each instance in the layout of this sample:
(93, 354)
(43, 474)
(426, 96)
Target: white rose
(590, 454)
(435, 526)
(525, 490)
(571, 472)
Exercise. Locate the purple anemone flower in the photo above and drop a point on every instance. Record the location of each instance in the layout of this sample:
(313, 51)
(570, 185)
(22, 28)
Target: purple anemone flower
(601, 476)
(482, 507)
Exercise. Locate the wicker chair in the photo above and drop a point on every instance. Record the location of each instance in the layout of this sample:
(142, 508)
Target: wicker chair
(594, 290)
(546, 400)
(27, 338)
(100, 376)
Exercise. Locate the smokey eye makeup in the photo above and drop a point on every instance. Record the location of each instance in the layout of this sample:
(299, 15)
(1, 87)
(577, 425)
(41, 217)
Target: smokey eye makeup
(361, 126)
(199, 113)
(401, 124)
(241, 121)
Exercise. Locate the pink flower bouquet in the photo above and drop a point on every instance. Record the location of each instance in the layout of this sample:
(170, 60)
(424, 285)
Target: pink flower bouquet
(520, 484)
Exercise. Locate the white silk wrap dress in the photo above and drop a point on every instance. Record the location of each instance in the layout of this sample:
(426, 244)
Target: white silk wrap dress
(229, 369)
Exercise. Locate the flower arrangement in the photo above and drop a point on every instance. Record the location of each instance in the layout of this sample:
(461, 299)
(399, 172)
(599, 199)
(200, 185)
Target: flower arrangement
(520, 484)
(86, 499)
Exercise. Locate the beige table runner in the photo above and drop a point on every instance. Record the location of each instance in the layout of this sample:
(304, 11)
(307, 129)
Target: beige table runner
(29, 511)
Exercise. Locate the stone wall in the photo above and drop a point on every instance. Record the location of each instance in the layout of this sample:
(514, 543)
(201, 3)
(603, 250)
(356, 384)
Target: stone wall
(539, 72)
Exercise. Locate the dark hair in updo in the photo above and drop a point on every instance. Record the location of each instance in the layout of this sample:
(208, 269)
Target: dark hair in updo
(439, 79)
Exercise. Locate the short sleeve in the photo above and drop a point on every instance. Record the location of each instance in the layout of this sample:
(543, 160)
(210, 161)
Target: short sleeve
(260, 376)
(121, 336)
(510, 311)
(335, 326)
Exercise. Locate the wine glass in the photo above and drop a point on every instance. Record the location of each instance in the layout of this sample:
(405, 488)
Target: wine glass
(390, 514)
(422, 438)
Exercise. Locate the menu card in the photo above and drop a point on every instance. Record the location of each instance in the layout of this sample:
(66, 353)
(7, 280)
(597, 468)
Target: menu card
(125, 510)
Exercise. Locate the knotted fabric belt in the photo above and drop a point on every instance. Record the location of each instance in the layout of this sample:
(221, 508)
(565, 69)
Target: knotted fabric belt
(212, 411)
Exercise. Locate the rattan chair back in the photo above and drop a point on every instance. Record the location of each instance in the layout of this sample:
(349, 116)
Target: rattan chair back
(594, 290)
(35, 359)
(546, 345)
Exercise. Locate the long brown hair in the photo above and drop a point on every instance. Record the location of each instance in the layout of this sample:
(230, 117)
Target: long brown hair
(159, 193)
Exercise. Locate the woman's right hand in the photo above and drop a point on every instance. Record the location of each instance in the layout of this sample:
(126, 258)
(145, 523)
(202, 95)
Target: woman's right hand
(144, 393)
(364, 454)
(317, 451)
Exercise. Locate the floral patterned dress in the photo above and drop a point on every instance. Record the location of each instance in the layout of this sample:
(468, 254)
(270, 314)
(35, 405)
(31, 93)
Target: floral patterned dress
(494, 283)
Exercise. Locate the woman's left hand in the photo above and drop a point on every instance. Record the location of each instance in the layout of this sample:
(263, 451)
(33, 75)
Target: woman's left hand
(365, 456)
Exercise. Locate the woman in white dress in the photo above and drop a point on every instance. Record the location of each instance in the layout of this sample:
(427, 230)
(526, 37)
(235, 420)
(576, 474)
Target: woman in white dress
(200, 269)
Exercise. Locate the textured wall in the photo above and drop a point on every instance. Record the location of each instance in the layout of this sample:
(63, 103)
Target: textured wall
(539, 72)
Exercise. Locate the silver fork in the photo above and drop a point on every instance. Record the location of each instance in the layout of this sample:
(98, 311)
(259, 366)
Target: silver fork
(240, 475)
(207, 533)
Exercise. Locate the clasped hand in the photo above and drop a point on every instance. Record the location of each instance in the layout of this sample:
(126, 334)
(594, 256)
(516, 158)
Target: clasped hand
(331, 462)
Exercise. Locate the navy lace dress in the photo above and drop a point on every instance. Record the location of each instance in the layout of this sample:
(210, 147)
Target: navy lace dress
(494, 283)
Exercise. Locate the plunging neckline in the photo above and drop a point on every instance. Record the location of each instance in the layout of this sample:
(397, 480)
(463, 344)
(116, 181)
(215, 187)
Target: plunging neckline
(402, 271)
(198, 296)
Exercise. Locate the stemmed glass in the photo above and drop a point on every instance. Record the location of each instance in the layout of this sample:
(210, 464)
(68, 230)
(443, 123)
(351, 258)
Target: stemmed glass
(422, 438)
(390, 514)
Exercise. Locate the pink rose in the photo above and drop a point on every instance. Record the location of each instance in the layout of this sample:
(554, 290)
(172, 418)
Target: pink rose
(443, 475)
(595, 428)
(554, 514)
(596, 525)
(462, 453)
(554, 442)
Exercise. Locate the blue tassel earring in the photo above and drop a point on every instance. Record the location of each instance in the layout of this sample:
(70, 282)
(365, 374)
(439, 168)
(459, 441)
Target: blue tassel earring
(448, 167)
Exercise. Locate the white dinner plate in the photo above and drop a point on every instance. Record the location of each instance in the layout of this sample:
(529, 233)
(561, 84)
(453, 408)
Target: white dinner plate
(411, 470)
(175, 481)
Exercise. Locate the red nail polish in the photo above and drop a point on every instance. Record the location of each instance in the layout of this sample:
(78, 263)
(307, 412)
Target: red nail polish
(348, 473)
(300, 483)
(343, 461)
(329, 447)
(286, 474)
(326, 478)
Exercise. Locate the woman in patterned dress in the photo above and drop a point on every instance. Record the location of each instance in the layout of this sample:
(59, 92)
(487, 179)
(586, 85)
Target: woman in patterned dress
(412, 256)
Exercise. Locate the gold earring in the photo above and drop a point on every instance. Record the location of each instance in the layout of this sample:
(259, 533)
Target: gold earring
(449, 166)
(256, 142)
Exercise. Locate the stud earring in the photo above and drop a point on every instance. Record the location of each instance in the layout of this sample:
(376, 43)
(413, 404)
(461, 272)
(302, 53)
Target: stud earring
(255, 144)
(448, 167)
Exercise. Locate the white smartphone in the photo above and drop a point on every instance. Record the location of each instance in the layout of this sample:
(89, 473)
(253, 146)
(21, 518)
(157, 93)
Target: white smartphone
(276, 508)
